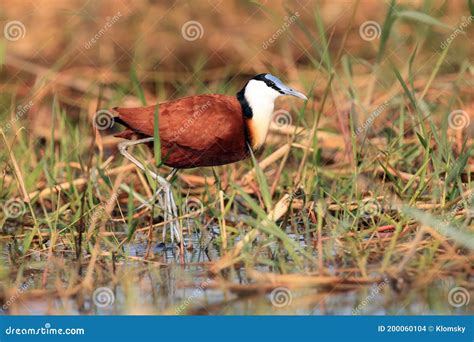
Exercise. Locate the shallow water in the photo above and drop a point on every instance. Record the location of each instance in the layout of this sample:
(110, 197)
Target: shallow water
(185, 288)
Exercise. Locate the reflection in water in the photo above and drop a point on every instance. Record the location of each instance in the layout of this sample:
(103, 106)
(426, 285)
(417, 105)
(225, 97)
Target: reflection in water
(165, 285)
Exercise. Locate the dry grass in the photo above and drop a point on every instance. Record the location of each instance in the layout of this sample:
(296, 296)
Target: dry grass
(367, 184)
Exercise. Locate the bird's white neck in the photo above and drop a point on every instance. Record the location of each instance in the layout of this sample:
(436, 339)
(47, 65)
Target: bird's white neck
(261, 100)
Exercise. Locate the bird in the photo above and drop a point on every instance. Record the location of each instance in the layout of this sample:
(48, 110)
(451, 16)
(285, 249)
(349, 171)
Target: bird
(202, 131)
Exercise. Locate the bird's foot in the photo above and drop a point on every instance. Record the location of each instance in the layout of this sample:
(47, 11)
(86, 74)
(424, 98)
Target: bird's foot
(163, 197)
(152, 201)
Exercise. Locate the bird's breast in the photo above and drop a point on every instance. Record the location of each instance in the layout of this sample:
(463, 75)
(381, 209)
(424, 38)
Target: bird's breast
(258, 126)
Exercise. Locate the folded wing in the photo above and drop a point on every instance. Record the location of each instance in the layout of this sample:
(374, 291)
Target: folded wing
(204, 130)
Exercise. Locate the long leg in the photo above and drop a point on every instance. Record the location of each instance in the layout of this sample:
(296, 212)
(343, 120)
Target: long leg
(166, 201)
(168, 179)
(156, 195)
(175, 226)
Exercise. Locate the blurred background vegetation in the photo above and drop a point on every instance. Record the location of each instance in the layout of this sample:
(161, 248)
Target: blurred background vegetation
(360, 181)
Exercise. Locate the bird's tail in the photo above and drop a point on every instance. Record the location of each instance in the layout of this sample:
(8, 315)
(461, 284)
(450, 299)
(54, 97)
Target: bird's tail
(121, 122)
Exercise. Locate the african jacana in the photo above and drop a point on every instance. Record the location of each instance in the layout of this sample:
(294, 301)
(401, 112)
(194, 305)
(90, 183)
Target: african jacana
(203, 130)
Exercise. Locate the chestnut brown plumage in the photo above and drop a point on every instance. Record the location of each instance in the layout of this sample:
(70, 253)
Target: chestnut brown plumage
(203, 130)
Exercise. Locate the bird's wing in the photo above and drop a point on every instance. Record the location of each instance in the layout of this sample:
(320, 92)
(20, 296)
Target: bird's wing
(195, 122)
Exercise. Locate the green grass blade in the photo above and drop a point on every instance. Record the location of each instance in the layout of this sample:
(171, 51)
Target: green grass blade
(422, 18)
(410, 68)
(137, 87)
(387, 27)
(156, 135)
(457, 168)
(262, 182)
(457, 235)
(439, 62)
(324, 43)
(405, 88)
